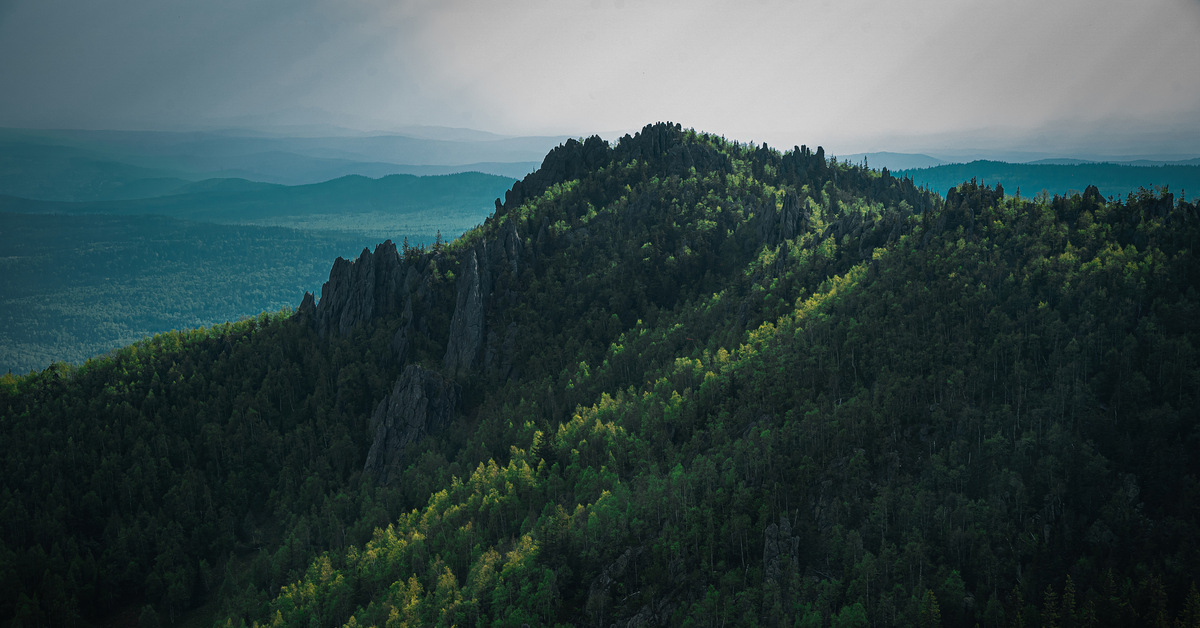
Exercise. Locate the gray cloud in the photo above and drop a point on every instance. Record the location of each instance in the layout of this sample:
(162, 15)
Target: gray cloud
(853, 73)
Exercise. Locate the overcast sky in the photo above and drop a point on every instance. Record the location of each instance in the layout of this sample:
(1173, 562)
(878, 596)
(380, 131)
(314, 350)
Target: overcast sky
(1115, 76)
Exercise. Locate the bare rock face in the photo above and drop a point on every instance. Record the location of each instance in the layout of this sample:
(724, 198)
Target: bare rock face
(780, 550)
(421, 403)
(774, 226)
(380, 283)
(467, 325)
(480, 272)
(666, 144)
(360, 290)
(603, 608)
(308, 308)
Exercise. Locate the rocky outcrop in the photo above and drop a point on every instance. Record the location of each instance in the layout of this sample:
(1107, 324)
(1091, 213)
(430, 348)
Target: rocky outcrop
(776, 225)
(565, 162)
(781, 550)
(378, 283)
(485, 267)
(308, 308)
(664, 145)
(657, 605)
(357, 291)
(467, 325)
(421, 403)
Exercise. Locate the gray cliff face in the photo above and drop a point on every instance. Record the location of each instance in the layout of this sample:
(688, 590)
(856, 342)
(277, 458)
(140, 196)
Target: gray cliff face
(308, 308)
(484, 268)
(360, 290)
(781, 550)
(376, 284)
(381, 283)
(415, 287)
(421, 403)
(466, 327)
(774, 226)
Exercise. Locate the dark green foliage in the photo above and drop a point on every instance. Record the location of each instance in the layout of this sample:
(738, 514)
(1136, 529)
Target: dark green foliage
(898, 410)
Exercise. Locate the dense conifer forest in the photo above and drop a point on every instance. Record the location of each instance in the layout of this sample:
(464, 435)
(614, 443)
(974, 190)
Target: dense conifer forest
(673, 380)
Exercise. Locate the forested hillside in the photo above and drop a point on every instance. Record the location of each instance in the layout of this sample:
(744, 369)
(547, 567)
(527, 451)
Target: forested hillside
(673, 380)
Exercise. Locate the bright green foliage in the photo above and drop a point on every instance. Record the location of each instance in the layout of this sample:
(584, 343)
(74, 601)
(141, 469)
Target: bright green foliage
(909, 412)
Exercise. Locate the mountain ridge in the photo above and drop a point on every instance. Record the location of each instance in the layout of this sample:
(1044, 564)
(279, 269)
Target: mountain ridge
(676, 379)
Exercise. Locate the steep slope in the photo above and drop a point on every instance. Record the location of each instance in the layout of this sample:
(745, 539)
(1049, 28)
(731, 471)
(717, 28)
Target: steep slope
(672, 380)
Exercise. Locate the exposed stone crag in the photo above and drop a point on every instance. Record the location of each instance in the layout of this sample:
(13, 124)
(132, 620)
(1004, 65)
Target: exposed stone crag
(785, 223)
(421, 403)
(308, 308)
(665, 145)
(781, 550)
(360, 290)
(565, 162)
(376, 284)
(603, 608)
(484, 267)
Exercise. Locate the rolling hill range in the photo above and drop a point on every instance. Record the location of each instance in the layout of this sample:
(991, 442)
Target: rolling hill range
(82, 278)
(671, 380)
(81, 166)
(1116, 180)
(378, 208)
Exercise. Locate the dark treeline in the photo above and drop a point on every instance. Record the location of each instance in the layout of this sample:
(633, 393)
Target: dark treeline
(728, 386)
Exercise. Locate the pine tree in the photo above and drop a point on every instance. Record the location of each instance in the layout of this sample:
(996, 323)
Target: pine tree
(1050, 607)
(931, 614)
(1190, 617)
(1067, 612)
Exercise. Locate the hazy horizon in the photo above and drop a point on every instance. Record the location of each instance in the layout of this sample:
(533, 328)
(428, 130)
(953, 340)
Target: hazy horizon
(1096, 77)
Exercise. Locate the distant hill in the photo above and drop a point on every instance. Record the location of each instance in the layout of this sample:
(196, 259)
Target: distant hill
(1064, 161)
(893, 161)
(378, 207)
(79, 165)
(65, 173)
(1115, 180)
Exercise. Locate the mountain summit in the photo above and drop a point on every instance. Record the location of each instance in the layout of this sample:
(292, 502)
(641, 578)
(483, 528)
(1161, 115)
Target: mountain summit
(671, 380)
